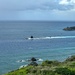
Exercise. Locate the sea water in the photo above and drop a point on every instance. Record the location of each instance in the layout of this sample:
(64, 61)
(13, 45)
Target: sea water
(50, 42)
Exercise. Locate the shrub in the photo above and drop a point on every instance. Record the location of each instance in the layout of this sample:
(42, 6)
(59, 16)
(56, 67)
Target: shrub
(49, 63)
(72, 58)
(47, 72)
(64, 71)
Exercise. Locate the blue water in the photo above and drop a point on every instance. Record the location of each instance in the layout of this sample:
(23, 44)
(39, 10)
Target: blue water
(50, 42)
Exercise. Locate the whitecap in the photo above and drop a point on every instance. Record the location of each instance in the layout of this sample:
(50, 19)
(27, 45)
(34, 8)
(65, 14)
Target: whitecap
(22, 66)
(21, 61)
(40, 59)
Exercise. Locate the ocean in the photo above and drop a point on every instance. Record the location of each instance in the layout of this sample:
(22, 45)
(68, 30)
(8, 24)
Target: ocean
(50, 42)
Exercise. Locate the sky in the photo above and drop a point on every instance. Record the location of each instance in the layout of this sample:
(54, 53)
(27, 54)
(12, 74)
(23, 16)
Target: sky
(49, 10)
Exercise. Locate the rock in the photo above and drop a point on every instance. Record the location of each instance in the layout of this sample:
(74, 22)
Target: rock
(72, 58)
(33, 64)
(69, 28)
(33, 59)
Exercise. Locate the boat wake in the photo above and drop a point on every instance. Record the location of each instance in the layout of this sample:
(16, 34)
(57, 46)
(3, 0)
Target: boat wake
(52, 37)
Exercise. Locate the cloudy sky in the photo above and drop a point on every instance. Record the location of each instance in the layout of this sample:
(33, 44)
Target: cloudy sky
(50, 10)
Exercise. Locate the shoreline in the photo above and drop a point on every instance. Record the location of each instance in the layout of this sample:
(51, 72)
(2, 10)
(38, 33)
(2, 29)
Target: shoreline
(47, 66)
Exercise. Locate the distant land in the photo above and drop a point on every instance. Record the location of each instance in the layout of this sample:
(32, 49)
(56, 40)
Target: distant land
(69, 28)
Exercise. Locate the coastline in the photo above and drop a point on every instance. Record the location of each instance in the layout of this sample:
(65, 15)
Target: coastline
(48, 67)
(69, 28)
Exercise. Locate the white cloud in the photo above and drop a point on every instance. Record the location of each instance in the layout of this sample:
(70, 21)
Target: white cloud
(67, 2)
(64, 2)
(72, 1)
(37, 9)
(23, 5)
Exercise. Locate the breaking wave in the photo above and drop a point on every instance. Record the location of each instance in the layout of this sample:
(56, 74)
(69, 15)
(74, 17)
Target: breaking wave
(40, 60)
(21, 61)
(22, 66)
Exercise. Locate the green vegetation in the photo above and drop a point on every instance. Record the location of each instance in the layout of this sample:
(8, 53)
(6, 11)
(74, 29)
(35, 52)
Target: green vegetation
(48, 68)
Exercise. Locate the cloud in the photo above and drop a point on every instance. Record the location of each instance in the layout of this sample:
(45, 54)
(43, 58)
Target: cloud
(67, 2)
(23, 5)
(64, 2)
(37, 9)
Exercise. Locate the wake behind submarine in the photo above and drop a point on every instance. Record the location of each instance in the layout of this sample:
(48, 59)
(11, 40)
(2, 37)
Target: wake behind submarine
(31, 37)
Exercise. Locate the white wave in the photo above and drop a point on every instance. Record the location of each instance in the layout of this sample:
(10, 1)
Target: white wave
(22, 66)
(51, 37)
(21, 61)
(40, 59)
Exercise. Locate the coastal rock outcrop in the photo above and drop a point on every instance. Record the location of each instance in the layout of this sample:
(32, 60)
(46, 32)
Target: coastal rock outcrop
(33, 62)
(47, 67)
(69, 28)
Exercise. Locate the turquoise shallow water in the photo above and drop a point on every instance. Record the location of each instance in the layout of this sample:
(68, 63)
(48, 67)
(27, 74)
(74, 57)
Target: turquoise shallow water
(50, 42)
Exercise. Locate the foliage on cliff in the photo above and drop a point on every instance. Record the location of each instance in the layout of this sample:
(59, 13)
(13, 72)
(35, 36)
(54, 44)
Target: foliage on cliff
(48, 68)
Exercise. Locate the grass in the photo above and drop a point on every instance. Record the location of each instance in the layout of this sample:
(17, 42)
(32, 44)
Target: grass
(48, 68)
